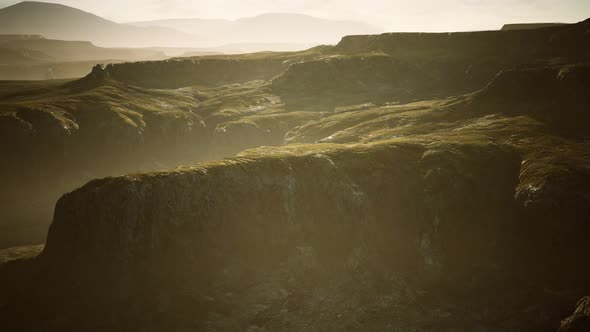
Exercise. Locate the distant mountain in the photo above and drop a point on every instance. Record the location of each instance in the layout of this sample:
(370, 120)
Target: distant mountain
(65, 51)
(241, 48)
(528, 26)
(22, 56)
(62, 22)
(284, 30)
(32, 57)
(271, 28)
(180, 51)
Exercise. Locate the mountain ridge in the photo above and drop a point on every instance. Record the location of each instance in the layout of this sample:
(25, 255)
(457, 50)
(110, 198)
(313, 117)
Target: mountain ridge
(57, 21)
(287, 28)
(68, 23)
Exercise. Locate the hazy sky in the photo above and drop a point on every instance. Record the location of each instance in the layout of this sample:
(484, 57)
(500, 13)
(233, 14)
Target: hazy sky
(392, 15)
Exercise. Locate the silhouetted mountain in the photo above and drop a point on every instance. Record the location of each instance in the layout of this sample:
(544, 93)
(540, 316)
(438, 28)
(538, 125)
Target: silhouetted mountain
(62, 22)
(287, 28)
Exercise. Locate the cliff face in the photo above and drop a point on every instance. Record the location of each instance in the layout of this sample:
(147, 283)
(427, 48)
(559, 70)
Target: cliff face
(208, 70)
(352, 79)
(55, 140)
(434, 223)
(454, 150)
(448, 212)
(52, 146)
(527, 45)
(279, 198)
(580, 319)
(418, 66)
(181, 73)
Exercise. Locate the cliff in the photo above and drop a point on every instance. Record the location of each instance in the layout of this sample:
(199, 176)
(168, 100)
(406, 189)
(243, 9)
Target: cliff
(423, 226)
(300, 232)
(207, 70)
(56, 137)
(524, 45)
(364, 189)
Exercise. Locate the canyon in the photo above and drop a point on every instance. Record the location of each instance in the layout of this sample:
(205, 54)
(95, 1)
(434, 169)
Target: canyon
(393, 182)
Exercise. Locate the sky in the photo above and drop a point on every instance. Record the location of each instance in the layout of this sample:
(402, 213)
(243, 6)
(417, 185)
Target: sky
(390, 15)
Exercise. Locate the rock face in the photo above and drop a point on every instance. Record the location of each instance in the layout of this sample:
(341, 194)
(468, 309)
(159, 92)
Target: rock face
(287, 201)
(403, 224)
(69, 134)
(523, 44)
(403, 221)
(580, 320)
(418, 66)
(178, 73)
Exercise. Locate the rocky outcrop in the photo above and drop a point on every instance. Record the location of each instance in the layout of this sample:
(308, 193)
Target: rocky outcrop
(524, 46)
(274, 223)
(176, 73)
(418, 66)
(97, 77)
(580, 320)
(378, 78)
(97, 127)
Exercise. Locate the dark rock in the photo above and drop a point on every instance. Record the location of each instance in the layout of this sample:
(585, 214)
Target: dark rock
(579, 321)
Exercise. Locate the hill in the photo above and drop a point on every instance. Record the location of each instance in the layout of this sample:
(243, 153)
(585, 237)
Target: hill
(57, 21)
(63, 50)
(289, 32)
(528, 26)
(287, 28)
(22, 56)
